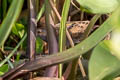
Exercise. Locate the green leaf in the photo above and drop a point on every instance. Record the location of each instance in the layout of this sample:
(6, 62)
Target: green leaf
(14, 50)
(18, 56)
(39, 45)
(115, 38)
(4, 7)
(42, 10)
(115, 43)
(113, 75)
(116, 19)
(4, 69)
(99, 6)
(10, 19)
(62, 31)
(14, 30)
(102, 62)
(18, 29)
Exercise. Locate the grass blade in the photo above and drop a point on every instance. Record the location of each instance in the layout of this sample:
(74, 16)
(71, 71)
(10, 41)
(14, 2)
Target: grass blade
(41, 12)
(62, 32)
(10, 19)
(15, 49)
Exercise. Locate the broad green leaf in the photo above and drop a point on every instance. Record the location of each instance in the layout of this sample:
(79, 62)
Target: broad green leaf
(39, 45)
(99, 6)
(14, 30)
(10, 19)
(115, 38)
(18, 29)
(3, 69)
(116, 19)
(115, 43)
(102, 62)
(113, 75)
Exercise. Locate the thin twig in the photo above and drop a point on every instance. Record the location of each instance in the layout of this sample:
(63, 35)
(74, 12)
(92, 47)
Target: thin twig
(59, 17)
(75, 5)
(82, 68)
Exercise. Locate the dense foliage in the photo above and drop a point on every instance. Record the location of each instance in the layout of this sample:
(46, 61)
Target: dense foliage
(22, 51)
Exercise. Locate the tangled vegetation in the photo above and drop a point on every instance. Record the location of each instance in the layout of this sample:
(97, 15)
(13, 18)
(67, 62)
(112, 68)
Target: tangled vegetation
(59, 39)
